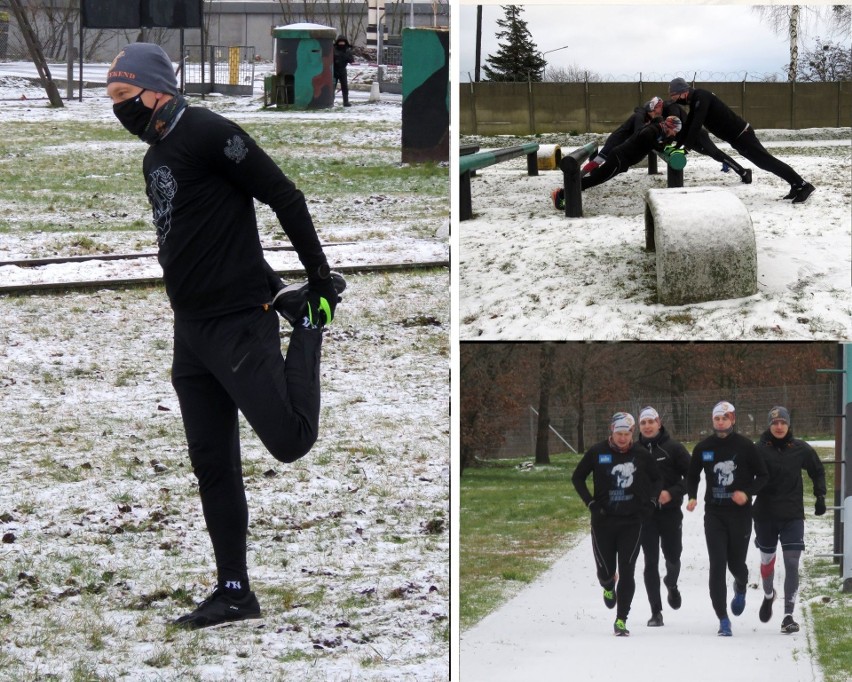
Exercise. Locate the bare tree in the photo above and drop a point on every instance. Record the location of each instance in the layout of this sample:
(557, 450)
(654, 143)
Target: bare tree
(570, 74)
(826, 62)
(542, 450)
(790, 20)
(348, 18)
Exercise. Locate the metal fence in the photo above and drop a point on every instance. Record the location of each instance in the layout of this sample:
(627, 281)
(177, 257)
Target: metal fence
(687, 418)
(390, 69)
(226, 70)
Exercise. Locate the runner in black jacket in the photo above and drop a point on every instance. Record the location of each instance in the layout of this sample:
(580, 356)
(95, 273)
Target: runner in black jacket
(706, 109)
(652, 110)
(626, 484)
(202, 174)
(734, 473)
(779, 510)
(664, 528)
(637, 147)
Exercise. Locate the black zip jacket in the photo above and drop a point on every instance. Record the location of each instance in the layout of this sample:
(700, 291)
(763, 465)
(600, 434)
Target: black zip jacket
(781, 499)
(705, 109)
(729, 464)
(672, 460)
(201, 180)
(625, 484)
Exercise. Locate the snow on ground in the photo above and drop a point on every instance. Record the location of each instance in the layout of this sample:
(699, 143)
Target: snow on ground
(103, 538)
(528, 272)
(560, 624)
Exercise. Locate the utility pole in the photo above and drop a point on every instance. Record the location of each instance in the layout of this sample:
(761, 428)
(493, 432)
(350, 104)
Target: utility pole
(478, 43)
(36, 53)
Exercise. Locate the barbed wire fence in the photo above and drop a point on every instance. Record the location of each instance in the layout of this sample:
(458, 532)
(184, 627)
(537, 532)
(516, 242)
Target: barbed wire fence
(556, 74)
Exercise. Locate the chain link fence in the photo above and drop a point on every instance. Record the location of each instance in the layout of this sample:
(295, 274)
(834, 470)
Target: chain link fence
(687, 418)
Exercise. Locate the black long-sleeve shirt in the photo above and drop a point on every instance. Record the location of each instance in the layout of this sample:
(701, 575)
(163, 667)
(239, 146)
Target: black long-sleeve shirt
(706, 109)
(201, 180)
(672, 460)
(626, 484)
(781, 499)
(639, 145)
(729, 464)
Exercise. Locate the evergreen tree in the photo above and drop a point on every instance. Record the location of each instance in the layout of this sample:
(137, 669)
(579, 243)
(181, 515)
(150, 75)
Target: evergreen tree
(518, 58)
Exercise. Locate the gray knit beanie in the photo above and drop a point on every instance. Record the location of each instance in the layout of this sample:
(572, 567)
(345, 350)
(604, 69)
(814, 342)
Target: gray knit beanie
(779, 412)
(677, 86)
(144, 65)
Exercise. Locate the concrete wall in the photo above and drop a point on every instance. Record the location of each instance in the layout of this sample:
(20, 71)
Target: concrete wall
(536, 108)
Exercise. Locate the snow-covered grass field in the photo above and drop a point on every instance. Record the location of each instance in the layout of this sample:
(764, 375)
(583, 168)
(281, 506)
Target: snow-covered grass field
(528, 272)
(103, 539)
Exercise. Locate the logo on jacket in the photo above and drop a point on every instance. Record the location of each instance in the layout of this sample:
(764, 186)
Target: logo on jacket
(162, 188)
(235, 149)
(623, 474)
(725, 472)
(707, 456)
(605, 459)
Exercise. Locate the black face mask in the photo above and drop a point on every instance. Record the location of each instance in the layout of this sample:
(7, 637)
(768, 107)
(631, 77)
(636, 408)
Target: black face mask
(133, 114)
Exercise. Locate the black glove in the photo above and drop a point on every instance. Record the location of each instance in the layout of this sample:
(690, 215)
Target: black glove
(819, 507)
(596, 508)
(322, 300)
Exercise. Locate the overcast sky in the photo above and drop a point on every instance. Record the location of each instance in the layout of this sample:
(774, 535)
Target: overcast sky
(620, 41)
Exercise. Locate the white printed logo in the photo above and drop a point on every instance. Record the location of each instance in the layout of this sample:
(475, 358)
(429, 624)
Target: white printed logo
(162, 188)
(725, 472)
(235, 149)
(623, 474)
(233, 585)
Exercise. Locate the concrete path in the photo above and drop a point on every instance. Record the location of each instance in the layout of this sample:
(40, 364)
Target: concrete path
(559, 629)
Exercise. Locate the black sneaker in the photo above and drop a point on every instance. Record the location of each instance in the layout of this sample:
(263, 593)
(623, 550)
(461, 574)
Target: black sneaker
(792, 193)
(803, 193)
(656, 620)
(290, 300)
(765, 613)
(746, 176)
(620, 628)
(788, 625)
(220, 608)
(609, 598)
(674, 598)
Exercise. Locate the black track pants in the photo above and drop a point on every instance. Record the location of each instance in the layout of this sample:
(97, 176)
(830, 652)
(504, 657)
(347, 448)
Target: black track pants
(615, 543)
(705, 146)
(663, 529)
(232, 363)
(606, 171)
(749, 147)
(727, 533)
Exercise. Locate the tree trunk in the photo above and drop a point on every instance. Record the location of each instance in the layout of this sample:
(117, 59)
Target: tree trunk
(794, 43)
(36, 53)
(542, 449)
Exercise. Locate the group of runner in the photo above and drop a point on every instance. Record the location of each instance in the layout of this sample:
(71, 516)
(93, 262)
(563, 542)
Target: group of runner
(639, 487)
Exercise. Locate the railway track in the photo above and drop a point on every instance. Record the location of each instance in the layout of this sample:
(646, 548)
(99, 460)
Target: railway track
(123, 283)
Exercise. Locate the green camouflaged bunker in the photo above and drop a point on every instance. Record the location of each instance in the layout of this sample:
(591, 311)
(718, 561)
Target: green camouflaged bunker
(303, 67)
